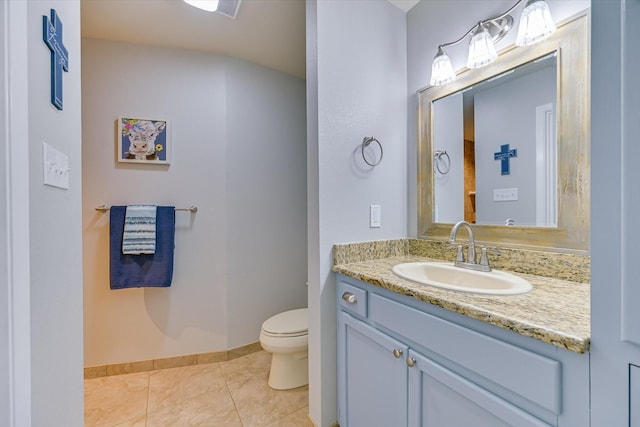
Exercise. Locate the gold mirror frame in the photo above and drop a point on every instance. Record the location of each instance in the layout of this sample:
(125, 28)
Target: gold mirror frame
(571, 41)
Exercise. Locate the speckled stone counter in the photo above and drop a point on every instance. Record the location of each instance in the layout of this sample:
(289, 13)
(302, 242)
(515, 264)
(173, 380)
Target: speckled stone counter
(556, 311)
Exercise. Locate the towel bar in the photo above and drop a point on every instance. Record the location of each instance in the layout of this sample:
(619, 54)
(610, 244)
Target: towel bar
(194, 209)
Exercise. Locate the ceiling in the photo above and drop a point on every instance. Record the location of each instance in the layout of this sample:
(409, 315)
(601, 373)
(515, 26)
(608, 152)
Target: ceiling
(267, 32)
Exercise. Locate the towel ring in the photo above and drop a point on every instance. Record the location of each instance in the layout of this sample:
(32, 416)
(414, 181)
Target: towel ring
(365, 143)
(442, 157)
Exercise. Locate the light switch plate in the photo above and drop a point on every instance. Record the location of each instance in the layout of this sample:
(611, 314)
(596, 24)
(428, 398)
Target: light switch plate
(375, 216)
(505, 194)
(55, 167)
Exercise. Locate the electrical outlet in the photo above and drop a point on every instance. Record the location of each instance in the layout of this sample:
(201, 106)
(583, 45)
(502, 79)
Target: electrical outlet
(505, 194)
(375, 216)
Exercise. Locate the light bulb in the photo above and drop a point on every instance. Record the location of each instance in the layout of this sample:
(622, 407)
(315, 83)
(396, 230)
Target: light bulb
(481, 49)
(536, 23)
(208, 5)
(441, 69)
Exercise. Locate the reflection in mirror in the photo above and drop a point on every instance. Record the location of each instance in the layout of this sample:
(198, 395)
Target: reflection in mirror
(555, 201)
(500, 139)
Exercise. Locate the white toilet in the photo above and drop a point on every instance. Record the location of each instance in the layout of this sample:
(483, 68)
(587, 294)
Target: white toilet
(286, 336)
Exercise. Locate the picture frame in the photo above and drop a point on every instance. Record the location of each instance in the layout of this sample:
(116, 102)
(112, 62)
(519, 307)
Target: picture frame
(143, 140)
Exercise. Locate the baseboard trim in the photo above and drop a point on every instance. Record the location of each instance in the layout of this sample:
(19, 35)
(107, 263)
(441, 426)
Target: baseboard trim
(313, 424)
(169, 362)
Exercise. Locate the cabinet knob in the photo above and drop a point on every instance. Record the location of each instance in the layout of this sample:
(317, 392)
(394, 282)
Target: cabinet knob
(411, 362)
(397, 353)
(349, 297)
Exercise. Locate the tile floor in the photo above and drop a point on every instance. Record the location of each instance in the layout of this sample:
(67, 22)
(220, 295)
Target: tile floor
(226, 394)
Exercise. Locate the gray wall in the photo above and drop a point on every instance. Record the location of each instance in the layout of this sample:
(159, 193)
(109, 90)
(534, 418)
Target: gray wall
(238, 154)
(266, 197)
(356, 87)
(55, 228)
(15, 328)
(5, 351)
(615, 87)
(448, 122)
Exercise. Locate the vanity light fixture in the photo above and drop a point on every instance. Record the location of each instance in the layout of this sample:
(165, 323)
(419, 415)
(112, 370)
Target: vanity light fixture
(228, 8)
(536, 24)
(208, 5)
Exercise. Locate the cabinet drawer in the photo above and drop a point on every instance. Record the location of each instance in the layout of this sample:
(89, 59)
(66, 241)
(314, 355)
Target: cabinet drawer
(530, 375)
(352, 299)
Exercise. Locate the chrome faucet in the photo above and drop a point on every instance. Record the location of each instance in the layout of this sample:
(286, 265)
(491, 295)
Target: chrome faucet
(470, 262)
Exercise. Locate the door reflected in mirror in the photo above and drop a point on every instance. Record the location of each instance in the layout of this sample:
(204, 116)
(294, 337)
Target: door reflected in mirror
(499, 136)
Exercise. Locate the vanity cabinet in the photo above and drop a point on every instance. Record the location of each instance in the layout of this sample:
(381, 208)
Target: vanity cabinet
(403, 362)
(373, 376)
(634, 396)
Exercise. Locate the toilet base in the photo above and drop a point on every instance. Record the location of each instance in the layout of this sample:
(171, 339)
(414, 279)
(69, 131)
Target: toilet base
(289, 370)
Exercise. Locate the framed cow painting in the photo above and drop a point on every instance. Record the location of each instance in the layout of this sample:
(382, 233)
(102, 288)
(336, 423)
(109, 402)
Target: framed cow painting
(143, 141)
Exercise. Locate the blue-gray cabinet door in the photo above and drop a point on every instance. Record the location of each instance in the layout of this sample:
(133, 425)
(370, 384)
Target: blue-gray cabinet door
(372, 376)
(438, 397)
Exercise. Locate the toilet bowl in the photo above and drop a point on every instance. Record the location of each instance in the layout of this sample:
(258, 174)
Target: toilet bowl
(286, 337)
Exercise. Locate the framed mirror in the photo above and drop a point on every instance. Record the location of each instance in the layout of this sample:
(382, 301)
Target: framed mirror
(506, 147)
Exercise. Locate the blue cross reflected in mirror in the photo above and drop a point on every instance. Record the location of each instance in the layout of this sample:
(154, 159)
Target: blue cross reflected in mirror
(504, 155)
(52, 36)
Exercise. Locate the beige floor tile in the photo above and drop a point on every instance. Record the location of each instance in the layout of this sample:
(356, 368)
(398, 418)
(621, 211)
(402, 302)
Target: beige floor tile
(110, 401)
(259, 405)
(169, 386)
(299, 418)
(233, 393)
(138, 422)
(246, 367)
(211, 409)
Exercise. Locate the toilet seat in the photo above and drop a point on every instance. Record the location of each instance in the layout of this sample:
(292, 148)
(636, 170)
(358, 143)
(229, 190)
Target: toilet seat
(292, 323)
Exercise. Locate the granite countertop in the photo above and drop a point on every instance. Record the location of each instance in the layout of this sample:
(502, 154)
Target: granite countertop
(556, 311)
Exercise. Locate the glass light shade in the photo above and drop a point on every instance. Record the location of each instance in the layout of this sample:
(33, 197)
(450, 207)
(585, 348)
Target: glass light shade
(208, 5)
(481, 49)
(536, 23)
(441, 69)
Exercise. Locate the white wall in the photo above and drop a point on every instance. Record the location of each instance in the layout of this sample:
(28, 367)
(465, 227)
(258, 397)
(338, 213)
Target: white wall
(55, 228)
(235, 134)
(433, 22)
(357, 86)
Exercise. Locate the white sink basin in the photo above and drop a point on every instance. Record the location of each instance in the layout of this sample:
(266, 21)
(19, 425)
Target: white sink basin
(447, 276)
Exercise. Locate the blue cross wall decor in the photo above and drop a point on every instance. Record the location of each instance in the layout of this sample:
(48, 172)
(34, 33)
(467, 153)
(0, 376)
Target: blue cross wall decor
(504, 155)
(52, 36)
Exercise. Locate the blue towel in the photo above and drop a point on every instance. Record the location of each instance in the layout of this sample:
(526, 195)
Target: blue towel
(139, 235)
(134, 271)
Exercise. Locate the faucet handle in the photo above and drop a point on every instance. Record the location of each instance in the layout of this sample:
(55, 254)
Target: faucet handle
(484, 260)
(460, 254)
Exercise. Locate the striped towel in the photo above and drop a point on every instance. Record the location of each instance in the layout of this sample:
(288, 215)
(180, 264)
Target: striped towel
(139, 236)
